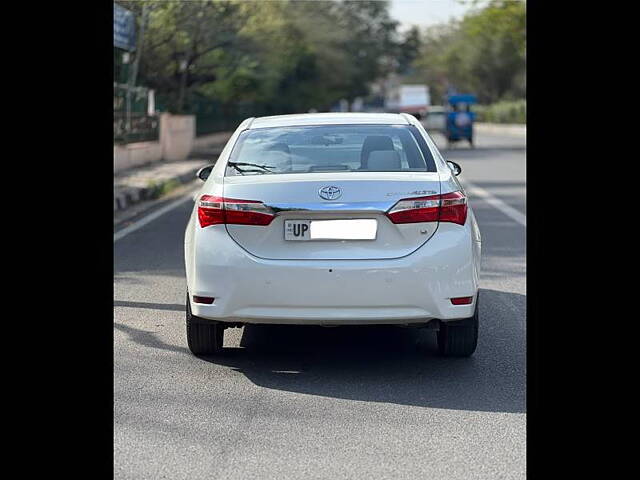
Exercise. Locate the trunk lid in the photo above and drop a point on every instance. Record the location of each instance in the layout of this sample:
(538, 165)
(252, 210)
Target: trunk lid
(363, 195)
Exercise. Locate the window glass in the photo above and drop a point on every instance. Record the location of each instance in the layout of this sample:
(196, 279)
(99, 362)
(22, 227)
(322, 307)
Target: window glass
(328, 148)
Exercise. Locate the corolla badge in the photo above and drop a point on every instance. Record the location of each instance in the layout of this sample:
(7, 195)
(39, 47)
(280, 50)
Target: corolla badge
(330, 193)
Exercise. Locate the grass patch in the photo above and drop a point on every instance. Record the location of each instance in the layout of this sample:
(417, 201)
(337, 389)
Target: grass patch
(159, 189)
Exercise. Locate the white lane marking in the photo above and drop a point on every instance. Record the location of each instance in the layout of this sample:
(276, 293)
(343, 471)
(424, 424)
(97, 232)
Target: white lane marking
(508, 210)
(149, 218)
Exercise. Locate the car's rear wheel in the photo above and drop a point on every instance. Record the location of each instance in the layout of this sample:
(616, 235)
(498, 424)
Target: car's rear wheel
(203, 337)
(459, 338)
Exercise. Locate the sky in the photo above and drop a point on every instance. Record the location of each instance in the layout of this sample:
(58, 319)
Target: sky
(424, 13)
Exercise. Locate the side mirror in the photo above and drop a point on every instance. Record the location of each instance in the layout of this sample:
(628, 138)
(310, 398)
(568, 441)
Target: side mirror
(204, 172)
(455, 168)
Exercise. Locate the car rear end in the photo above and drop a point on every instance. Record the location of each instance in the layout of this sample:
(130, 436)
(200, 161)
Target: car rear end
(332, 224)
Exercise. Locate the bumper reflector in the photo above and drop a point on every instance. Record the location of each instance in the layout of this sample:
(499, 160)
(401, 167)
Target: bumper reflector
(207, 300)
(462, 300)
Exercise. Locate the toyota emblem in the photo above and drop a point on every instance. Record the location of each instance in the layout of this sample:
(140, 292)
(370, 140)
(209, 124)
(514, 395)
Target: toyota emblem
(330, 193)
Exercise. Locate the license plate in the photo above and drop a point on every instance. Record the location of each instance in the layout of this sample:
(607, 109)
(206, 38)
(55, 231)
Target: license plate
(355, 229)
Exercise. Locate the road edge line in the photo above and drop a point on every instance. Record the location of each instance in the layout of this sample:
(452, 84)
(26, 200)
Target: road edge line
(120, 234)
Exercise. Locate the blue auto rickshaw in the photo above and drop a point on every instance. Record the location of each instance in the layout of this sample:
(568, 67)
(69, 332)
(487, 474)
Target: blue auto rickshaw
(460, 118)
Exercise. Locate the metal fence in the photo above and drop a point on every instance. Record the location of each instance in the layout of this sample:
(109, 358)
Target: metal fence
(134, 118)
(135, 127)
(213, 116)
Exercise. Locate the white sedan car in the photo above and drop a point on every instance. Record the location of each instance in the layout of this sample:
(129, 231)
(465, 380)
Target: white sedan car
(332, 219)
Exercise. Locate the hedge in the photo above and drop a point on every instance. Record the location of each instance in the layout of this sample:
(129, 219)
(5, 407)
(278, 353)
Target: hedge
(503, 112)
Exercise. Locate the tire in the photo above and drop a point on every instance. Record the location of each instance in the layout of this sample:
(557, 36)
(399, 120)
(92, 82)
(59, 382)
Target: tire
(203, 338)
(459, 339)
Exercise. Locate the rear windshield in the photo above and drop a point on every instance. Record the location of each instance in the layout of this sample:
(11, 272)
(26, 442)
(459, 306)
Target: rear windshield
(330, 148)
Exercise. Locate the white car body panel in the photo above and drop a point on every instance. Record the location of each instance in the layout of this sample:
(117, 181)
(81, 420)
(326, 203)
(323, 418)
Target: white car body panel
(329, 119)
(258, 278)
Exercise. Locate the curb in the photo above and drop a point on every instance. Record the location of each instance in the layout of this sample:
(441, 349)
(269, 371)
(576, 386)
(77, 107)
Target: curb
(132, 195)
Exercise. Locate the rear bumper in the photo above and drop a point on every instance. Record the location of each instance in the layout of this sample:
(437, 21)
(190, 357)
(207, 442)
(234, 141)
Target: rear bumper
(412, 289)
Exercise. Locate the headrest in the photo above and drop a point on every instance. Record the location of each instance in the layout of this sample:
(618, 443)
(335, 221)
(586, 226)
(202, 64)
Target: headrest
(278, 159)
(279, 147)
(384, 160)
(372, 143)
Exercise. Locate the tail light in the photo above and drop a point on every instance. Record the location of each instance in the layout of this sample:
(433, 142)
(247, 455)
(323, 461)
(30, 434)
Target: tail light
(219, 210)
(462, 300)
(205, 300)
(450, 207)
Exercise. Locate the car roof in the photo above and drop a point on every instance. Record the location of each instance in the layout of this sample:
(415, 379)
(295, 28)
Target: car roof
(334, 118)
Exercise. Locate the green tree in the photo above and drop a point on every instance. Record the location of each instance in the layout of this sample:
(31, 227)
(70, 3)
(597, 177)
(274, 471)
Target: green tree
(186, 45)
(484, 53)
(409, 50)
(276, 56)
(369, 42)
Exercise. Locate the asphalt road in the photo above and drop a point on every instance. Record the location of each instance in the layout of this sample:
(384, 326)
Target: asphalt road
(314, 402)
